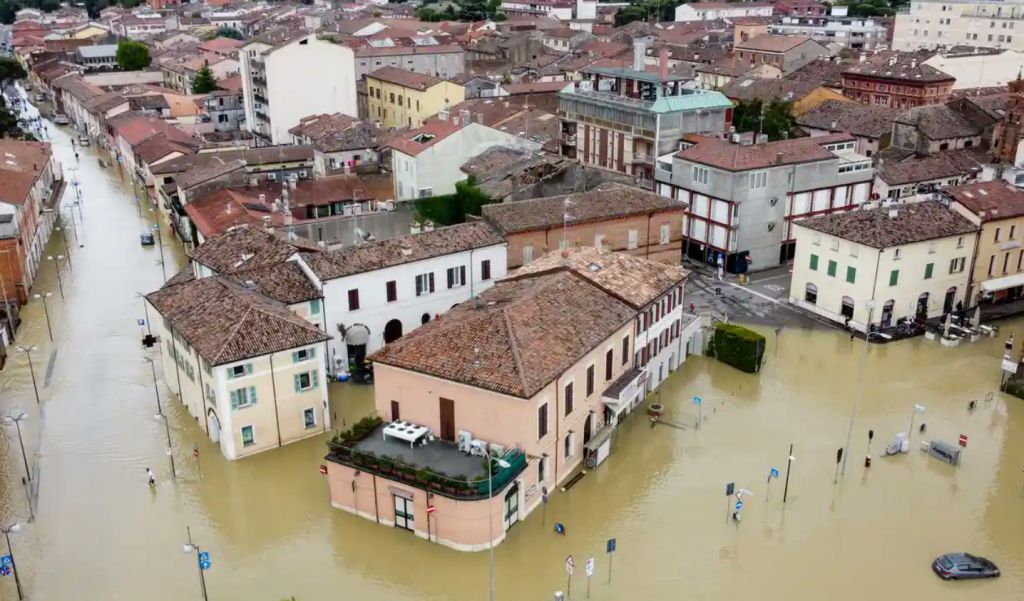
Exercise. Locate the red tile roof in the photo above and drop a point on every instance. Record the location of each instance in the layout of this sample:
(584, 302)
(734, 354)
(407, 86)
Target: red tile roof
(989, 200)
(21, 163)
(722, 154)
(406, 79)
(431, 133)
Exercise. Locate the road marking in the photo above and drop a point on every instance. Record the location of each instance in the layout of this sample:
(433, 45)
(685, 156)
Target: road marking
(754, 292)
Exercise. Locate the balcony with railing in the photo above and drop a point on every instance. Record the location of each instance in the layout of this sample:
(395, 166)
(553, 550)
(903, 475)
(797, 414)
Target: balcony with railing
(260, 98)
(436, 465)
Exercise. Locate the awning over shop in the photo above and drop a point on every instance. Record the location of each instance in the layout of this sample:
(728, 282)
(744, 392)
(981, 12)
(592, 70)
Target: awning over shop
(618, 396)
(1003, 283)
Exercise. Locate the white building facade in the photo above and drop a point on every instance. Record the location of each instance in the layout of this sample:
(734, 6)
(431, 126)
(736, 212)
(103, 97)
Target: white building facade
(401, 284)
(284, 83)
(710, 11)
(930, 24)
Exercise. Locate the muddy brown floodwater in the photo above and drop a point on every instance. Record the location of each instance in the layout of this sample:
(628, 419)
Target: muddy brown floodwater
(100, 533)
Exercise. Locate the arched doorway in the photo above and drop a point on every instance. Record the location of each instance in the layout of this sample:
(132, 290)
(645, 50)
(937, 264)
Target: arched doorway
(425, 318)
(211, 418)
(392, 331)
(947, 304)
(587, 428)
(847, 307)
(512, 506)
(887, 313)
(922, 306)
(811, 294)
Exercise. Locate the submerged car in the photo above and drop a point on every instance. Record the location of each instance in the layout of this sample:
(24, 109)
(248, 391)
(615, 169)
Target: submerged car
(60, 119)
(962, 566)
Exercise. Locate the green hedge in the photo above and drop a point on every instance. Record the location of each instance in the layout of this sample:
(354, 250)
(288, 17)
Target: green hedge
(738, 346)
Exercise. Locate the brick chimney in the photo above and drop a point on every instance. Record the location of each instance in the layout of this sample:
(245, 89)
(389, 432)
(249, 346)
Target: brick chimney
(663, 64)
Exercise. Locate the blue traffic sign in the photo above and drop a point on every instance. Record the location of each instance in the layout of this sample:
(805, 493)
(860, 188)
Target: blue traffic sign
(142, 322)
(6, 561)
(739, 505)
(611, 545)
(696, 400)
(774, 473)
(204, 560)
(5, 571)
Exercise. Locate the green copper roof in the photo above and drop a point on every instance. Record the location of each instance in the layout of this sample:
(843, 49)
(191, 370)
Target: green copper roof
(690, 102)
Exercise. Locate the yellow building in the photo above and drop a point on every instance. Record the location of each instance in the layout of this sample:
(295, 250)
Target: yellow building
(398, 98)
(997, 208)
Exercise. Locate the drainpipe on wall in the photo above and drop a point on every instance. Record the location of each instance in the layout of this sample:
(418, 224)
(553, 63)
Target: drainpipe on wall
(557, 435)
(202, 394)
(273, 387)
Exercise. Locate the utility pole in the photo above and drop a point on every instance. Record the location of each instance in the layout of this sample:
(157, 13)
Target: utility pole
(789, 464)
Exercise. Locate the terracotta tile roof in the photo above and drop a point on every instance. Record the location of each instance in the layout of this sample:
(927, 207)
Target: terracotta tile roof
(941, 121)
(283, 282)
(221, 45)
(290, 153)
(220, 210)
(207, 172)
(416, 141)
(633, 280)
(736, 157)
(224, 322)
(21, 163)
(767, 42)
(406, 79)
(318, 192)
(158, 147)
(907, 67)
(989, 200)
(914, 222)
(245, 247)
(405, 249)
(937, 166)
(822, 71)
(747, 89)
(140, 129)
(338, 132)
(231, 84)
(535, 87)
(865, 120)
(606, 201)
(518, 338)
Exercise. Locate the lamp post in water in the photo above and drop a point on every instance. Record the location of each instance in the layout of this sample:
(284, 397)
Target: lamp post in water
(10, 553)
(31, 369)
(490, 520)
(46, 311)
(860, 382)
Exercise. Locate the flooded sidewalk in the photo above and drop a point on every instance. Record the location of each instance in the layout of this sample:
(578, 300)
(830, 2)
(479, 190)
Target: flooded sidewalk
(102, 533)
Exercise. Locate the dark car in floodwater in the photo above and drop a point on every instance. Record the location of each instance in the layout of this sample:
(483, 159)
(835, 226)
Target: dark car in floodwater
(963, 566)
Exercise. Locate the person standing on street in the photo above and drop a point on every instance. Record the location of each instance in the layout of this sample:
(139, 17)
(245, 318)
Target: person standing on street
(151, 477)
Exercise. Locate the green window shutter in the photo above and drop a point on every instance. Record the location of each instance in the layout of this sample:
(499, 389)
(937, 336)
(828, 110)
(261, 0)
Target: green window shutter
(928, 271)
(832, 268)
(248, 369)
(894, 277)
(312, 352)
(851, 274)
(814, 262)
(295, 356)
(252, 395)
(234, 400)
(298, 383)
(313, 377)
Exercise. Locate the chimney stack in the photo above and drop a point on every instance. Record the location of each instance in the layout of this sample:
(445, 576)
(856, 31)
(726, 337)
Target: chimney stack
(639, 50)
(663, 64)
(778, 158)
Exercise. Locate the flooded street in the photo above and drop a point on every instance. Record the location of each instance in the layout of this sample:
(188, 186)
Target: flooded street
(101, 533)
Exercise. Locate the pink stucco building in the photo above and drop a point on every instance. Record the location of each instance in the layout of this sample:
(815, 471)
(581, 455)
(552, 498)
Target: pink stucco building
(536, 371)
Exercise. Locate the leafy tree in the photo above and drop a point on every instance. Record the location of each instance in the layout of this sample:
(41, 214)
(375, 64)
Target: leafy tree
(7, 10)
(648, 10)
(204, 81)
(228, 32)
(132, 55)
(10, 70)
(778, 122)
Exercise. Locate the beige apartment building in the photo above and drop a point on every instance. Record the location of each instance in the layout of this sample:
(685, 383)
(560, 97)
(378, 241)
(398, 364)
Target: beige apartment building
(997, 207)
(880, 265)
(533, 373)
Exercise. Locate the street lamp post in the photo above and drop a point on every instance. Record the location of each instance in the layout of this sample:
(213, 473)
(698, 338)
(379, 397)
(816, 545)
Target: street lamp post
(789, 464)
(60, 284)
(918, 410)
(64, 236)
(191, 547)
(16, 420)
(145, 311)
(74, 229)
(170, 449)
(10, 551)
(160, 242)
(490, 520)
(156, 389)
(860, 383)
(31, 368)
(46, 311)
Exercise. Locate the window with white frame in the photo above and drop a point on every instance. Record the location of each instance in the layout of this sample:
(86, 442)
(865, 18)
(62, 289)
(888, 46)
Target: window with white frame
(700, 175)
(665, 232)
(599, 241)
(309, 417)
(239, 371)
(248, 436)
(243, 397)
(424, 283)
(527, 253)
(303, 354)
(306, 380)
(632, 238)
(456, 276)
(758, 179)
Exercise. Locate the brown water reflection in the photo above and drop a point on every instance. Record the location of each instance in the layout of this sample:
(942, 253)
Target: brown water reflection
(102, 534)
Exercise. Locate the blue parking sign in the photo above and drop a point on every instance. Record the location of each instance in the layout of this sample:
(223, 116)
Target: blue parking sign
(696, 400)
(6, 561)
(739, 505)
(204, 560)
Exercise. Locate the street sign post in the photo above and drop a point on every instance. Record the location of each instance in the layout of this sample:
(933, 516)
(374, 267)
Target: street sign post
(772, 473)
(610, 549)
(568, 577)
(698, 403)
(730, 487)
(204, 560)
(839, 459)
